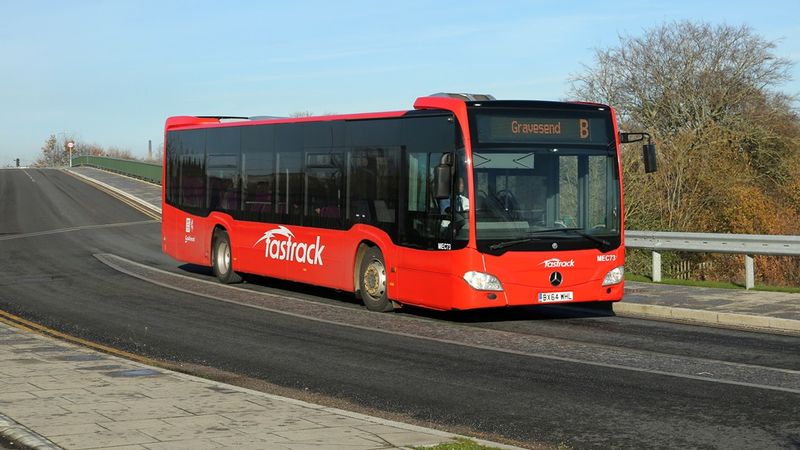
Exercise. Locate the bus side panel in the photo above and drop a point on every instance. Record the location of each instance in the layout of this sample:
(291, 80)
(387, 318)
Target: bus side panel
(250, 249)
(435, 279)
(185, 236)
(425, 277)
(168, 230)
(191, 238)
(309, 255)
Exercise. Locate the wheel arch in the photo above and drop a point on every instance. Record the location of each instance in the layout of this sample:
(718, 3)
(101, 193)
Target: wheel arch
(219, 221)
(361, 249)
(225, 273)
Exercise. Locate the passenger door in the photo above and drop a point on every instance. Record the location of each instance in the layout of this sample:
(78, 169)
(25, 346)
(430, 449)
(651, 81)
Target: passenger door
(424, 259)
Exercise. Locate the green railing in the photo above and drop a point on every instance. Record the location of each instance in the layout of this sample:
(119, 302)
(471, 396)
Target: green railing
(137, 169)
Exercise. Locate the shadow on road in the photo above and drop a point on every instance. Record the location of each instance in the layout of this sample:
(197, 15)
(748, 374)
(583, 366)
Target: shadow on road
(331, 296)
(515, 313)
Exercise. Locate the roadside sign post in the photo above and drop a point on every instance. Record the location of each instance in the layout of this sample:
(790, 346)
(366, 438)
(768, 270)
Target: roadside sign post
(70, 145)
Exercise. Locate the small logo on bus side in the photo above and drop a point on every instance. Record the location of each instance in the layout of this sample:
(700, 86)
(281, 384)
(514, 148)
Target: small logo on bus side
(555, 263)
(288, 249)
(189, 229)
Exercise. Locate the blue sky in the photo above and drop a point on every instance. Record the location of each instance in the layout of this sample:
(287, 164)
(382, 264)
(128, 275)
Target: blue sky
(110, 72)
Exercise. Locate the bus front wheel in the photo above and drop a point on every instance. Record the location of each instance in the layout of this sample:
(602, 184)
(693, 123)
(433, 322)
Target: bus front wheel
(372, 281)
(221, 258)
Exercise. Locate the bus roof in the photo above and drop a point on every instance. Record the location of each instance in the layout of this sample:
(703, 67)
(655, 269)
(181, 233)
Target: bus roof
(456, 103)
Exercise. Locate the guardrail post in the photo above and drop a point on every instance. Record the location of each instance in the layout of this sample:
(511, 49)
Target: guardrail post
(749, 272)
(656, 267)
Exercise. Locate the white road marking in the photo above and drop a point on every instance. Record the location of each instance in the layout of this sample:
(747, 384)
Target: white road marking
(29, 175)
(71, 229)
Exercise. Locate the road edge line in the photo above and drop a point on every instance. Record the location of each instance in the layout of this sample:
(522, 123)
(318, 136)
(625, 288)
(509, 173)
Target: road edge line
(15, 321)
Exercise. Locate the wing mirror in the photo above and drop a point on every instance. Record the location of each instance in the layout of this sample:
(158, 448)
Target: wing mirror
(442, 177)
(648, 150)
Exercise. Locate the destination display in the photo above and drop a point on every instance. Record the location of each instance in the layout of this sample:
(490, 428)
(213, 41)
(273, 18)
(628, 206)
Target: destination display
(520, 129)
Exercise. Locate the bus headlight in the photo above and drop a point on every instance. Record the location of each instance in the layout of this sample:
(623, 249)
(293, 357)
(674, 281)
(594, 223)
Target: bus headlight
(614, 276)
(482, 281)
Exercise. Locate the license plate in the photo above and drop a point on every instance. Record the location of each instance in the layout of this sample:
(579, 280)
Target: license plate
(548, 297)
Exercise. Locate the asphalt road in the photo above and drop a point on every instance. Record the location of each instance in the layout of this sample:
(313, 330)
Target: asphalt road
(534, 375)
(7, 445)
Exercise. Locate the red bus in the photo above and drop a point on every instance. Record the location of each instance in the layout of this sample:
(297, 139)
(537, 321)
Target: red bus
(463, 202)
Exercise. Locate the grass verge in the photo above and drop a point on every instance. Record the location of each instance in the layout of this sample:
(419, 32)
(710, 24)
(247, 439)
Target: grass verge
(459, 444)
(711, 284)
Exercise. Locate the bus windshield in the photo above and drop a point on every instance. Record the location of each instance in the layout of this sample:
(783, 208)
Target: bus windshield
(532, 198)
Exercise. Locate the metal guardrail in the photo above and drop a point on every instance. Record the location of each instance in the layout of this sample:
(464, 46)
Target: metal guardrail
(747, 244)
(137, 169)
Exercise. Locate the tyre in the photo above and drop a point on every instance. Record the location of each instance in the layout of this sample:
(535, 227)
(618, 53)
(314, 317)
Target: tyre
(372, 281)
(221, 259)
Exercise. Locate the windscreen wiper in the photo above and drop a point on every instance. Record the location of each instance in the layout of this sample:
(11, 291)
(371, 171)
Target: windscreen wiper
(603, 244)
(533, 236)
(502, 245)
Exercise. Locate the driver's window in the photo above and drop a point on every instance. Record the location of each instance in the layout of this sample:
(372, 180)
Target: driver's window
(461, 201)
(426, 219)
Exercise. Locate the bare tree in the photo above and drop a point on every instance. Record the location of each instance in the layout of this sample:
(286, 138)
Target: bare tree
(89, 149)
(707, 93)
(682, 75)
(119, 153)
(51, 154)
(729, 140)
(55, 151)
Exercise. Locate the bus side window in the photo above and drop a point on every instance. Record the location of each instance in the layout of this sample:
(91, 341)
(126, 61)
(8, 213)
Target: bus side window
(290, 187)
(373, 187)
(224, 190)
(324, 189)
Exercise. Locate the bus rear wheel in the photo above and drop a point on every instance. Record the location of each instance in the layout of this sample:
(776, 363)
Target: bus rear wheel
(221, 259)
(372, 281)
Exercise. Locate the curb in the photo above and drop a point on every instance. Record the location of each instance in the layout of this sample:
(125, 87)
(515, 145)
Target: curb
(23, 436)
(721, 319)
(117, 191)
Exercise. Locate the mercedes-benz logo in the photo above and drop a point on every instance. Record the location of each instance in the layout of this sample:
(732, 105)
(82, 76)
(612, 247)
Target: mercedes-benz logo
(556, 278)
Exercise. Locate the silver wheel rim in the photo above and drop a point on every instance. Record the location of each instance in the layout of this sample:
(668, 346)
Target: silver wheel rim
(223, 257)
(374, 279)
